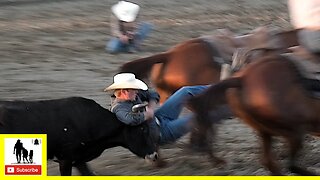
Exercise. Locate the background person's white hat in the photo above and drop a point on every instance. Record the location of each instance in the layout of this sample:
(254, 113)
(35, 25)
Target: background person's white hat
(125, 11)
(126, 81)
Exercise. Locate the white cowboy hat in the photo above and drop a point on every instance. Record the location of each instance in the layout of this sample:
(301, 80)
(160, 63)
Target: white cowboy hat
(125, 11)
(126, 81)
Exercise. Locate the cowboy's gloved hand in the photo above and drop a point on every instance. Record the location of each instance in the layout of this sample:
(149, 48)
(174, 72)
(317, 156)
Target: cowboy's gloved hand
(149, 113)
(152, 104)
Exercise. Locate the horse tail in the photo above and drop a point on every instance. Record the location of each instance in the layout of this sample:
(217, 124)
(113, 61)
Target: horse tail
(142, 67)
(214, 95)
(233, 82)
(213, 98)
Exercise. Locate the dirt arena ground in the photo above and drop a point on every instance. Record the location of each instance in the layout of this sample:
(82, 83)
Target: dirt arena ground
(55, 48)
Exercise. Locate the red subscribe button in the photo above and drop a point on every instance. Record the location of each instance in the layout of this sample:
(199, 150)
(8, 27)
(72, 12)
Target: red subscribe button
(23, 170)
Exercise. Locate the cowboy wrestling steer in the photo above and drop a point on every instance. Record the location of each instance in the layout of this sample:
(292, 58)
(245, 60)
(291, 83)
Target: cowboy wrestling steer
(78, 130)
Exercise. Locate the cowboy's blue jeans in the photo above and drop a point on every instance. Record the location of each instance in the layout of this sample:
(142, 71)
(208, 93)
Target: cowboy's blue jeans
(115, 45)
(172, 126)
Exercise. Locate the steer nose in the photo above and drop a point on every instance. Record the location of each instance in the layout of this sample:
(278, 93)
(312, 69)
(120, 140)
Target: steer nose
(156, 157)
(152, 157)
(155, 160)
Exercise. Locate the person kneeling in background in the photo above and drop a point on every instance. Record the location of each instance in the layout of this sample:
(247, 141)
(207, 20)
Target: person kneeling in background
(127, 32)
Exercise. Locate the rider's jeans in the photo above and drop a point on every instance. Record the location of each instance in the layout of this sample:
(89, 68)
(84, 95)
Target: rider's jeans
(172, 126)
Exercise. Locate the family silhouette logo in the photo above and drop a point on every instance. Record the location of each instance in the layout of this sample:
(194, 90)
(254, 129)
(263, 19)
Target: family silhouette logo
(23, 156)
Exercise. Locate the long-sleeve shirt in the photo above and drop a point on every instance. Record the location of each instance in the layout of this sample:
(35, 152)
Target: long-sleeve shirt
(123, 109)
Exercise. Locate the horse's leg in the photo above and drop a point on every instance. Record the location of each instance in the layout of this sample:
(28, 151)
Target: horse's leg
(267, 156)
(198, 140)
(201, 141)
(65, 167)
(199, 133)
(295, 144)
(213, 158)
(84, 169)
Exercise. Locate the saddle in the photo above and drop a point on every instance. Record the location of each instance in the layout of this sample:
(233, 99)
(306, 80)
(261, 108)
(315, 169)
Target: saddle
(225, 45)
(309, 66)
(307, 62)
(238, 50)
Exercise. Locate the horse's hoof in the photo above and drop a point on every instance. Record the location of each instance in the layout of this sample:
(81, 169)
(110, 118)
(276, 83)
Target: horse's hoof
(217, 162)
(93, 173)
(198, 148)
(301, 171)
(220, 162)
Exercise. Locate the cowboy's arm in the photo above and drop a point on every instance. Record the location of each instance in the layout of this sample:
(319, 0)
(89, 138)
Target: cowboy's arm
(115, 28)
(125, 115)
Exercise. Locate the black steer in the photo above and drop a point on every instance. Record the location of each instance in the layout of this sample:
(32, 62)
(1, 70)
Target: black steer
(78, 130)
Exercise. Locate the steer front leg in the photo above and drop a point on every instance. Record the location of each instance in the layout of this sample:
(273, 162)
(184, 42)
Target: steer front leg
(65, 167)
(84, 169)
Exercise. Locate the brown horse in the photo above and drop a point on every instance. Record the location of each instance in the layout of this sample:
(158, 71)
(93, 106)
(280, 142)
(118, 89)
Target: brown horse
(198, 61)
(269, 95)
